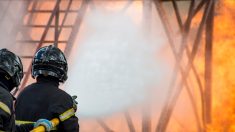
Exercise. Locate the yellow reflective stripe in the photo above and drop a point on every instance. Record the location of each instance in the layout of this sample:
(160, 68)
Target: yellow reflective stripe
(67, 114)
(54, 128)
(2, 131)
(5, 108)
(18, 122)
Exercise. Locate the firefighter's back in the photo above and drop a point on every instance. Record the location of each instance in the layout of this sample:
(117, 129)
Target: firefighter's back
(44, 100)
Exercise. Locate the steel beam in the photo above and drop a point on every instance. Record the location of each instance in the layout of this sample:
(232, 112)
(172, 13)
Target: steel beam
(76, 28)
(208, 65)
(177, 14)
(165, 116)
(104, 126)
(129, 122)
(38, 41)
(57, 19)
(49, 11)
(185, 32)
(51, 26)
(166, 112)
(147, 18)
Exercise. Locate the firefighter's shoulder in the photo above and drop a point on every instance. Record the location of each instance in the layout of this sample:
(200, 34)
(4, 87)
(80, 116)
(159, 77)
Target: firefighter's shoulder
(6, 101)
(63, 96)
(26, 90)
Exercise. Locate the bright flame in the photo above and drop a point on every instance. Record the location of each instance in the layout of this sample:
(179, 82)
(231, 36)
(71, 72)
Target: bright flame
(223, 118)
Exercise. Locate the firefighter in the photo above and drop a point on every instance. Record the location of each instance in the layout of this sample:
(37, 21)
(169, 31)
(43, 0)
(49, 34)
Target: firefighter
(11, 73)
(43, 99)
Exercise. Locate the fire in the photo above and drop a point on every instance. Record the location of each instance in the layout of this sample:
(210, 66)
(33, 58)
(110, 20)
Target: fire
(223, 114)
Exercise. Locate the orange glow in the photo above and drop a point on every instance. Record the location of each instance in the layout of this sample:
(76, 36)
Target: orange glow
(223, 82)
(223, 68)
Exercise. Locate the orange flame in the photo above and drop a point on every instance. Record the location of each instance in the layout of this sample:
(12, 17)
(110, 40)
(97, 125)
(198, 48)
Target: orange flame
(223, 68)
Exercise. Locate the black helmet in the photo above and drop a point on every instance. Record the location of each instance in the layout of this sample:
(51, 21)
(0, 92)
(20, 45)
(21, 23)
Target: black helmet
(12, 66)
(50, 61)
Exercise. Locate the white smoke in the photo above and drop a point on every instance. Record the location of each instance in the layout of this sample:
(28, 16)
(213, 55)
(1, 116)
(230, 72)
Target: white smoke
(10, 18)
(115, 65)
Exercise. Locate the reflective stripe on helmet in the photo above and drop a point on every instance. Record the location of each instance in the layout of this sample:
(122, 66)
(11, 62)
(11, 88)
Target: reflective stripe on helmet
(5, 108)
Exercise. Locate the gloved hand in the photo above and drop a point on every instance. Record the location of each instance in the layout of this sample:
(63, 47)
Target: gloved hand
(44, 122)
(74, 102)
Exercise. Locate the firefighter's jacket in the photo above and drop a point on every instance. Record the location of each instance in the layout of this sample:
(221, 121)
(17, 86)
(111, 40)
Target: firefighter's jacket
(7, 120)
(44, 100)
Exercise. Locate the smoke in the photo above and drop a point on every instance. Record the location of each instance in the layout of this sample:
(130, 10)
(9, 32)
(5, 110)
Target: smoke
(10, 15)
(115, 65)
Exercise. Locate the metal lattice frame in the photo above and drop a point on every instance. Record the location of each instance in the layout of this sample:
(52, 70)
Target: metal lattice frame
(205, 6)
(54, 14)
(185, 28)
